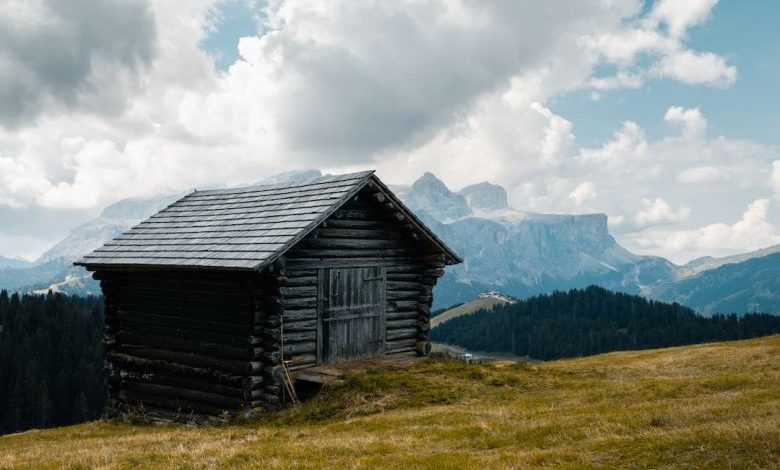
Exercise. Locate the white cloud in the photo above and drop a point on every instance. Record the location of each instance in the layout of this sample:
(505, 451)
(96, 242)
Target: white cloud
(691, 120)
(584, 192)
(681, 15)
(659, 212)
(775, 177)
(20, 182)
(627, 144)
(702, 175)
(696, 68)
(751, 232)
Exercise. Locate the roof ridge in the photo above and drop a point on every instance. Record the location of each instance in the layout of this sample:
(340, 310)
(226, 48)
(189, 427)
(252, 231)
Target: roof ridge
(329, 178)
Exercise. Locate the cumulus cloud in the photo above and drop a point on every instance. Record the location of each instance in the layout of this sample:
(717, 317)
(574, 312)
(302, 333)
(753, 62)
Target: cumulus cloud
(69, 56)
(659, 38)
(680, 16)
(702, 175)
(751, 232)
(659, 212)
(584, 192)
(691, 120)
(696, 68)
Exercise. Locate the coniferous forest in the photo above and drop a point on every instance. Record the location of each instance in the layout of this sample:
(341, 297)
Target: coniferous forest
(588, 321)
(51, 360)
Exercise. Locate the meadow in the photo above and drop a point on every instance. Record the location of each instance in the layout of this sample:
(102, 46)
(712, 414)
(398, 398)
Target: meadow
(703, 406)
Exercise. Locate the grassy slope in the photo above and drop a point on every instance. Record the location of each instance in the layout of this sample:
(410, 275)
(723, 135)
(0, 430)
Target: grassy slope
(465, 309)
(714, 405)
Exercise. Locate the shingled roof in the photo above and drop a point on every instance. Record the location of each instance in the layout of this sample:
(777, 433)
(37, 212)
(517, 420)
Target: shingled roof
(240, 228)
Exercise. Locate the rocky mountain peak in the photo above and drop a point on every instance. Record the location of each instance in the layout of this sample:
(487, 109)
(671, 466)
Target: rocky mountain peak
(431, 195)
(485, 196)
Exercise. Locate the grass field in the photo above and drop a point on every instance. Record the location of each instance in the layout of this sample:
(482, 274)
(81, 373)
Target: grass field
(705, 406)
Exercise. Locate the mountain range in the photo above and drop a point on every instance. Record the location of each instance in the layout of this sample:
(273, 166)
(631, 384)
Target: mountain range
(516, 252)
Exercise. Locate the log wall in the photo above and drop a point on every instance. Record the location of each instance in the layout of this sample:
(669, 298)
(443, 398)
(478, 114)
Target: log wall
(190, 342)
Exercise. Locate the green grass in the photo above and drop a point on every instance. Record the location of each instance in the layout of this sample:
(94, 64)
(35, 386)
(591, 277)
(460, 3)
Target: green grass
(704, 406)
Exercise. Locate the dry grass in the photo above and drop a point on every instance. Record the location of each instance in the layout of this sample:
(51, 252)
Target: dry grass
(707, 406)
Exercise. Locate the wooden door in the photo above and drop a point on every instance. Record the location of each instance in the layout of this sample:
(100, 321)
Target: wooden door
(352, 313)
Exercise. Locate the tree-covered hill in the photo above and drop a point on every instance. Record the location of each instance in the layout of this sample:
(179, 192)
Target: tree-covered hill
(588, 321)
(51, 360)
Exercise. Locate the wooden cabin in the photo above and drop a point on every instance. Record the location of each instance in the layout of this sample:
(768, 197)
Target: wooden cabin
(213, 300)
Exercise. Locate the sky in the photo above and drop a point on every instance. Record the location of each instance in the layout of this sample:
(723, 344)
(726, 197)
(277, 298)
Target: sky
(661, 114)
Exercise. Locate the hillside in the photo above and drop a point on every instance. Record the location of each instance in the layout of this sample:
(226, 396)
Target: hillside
(705, 406)
(583, 322)
(6, 262)
(481, 303)
(752, 284)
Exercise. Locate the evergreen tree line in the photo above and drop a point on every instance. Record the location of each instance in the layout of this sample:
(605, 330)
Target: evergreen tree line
(589, 321)
(51, 360)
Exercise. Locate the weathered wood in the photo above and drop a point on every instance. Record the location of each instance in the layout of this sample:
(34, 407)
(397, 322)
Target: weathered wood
(302, 281)
(401, 324)
(186, 345)
(386, 233)
(189, 314)
(307, 347)
(197, 360)
(394, 345)
(402, 295)
(140, 319)
(402, 333)
(338, 244)
(302, 302)
(422, 348)
(192, 384)
(196, 396)
(403, 285)
(300, 325)
(299, 336)
(133, 397)
(402, 304)
(327, 262)
(346, 254)
(301, 361)
(131, 362)
(402, 315)
(299, 315)
(198, 335)
(305, 291)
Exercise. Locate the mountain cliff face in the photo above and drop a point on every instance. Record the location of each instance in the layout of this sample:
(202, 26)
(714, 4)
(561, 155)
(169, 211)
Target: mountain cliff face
(485, 197)
(429, 194)
(523, 253)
